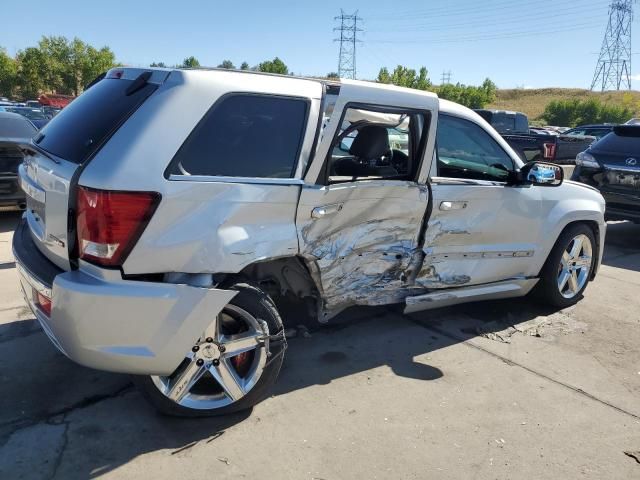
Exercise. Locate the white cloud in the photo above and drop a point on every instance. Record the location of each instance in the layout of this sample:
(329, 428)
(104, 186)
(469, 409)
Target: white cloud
(635, 77)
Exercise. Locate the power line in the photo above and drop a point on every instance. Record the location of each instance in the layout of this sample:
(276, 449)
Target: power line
(496, 36)
(491, 21)
(453, 11)
(614, 63)
(446, 78)
(348, 39)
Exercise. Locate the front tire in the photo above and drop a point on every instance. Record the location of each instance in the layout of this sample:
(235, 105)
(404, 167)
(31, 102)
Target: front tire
(228, 369)
(568, 269)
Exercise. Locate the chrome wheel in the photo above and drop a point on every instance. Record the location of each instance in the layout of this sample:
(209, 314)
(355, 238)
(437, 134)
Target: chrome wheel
(575, 265)
(224, 365)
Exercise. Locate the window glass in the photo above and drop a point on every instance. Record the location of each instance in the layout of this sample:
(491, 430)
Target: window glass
(465, 150)
(81, 128)
(16, 127)
(503, 122)
(245, 135)
(374, 145)
(628, 145)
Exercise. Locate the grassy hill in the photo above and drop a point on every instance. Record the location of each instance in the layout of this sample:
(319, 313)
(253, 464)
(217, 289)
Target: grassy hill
(533, 101)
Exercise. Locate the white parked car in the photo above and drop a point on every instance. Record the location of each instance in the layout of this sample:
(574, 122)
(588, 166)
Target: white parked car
(172, 213)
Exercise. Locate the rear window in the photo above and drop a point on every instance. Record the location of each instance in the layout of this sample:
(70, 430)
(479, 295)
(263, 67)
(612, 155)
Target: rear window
(82, 127)
(16, 128)
(245, 135)
(617, 143)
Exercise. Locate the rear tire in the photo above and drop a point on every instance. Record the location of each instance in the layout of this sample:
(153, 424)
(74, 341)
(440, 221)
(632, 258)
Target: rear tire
(258, 305)
(568, 269)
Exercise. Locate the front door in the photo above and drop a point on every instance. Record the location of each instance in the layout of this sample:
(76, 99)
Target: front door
(481, 230)
(364, 201)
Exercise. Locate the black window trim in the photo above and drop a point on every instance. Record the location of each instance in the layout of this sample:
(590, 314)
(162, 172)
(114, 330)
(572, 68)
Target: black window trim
(323, 175)
(238, 179)
(467, 181)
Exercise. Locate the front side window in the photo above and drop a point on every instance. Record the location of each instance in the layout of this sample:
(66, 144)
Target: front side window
(465, 150)
(245, 135)
(374, 144)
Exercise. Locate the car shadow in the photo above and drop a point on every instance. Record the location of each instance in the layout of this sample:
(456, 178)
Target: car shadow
(9, 221)
(101, 408)
(622, 246)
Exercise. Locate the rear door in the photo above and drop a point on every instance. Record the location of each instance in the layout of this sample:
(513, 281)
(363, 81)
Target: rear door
(66, 144)
(365, 197)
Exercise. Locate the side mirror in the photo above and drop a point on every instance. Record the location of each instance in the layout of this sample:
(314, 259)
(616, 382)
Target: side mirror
(543, 174)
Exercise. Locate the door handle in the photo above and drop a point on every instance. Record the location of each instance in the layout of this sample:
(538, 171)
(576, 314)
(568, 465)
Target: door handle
(326, 210)
(449, 205)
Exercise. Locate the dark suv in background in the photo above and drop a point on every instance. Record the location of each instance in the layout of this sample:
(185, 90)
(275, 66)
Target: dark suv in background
(612, 165)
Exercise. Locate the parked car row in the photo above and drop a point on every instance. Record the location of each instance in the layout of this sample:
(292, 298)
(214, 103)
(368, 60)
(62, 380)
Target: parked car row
(536, 144)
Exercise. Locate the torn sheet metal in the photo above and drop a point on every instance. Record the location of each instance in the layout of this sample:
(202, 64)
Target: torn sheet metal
(363, 252)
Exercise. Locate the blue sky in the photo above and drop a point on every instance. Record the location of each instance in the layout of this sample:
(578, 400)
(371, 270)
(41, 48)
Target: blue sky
(516, 43)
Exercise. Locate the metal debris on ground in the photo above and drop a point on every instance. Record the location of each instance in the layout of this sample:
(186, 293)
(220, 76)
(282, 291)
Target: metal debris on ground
(224, 460)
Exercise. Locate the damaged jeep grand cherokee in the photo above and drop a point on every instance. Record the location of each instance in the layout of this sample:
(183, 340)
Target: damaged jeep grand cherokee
(174, 215)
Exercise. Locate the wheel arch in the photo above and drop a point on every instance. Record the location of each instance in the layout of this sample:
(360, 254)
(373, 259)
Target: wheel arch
(292, 281)
(597, 233)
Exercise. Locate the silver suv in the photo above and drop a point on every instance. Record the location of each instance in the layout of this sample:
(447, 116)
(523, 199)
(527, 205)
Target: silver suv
(172, 214)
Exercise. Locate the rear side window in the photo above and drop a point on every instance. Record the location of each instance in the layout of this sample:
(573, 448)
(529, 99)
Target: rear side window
(81, 128)
(245, 135)
(618, 143)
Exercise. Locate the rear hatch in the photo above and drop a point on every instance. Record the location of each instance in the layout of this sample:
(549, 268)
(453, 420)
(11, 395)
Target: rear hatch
(619, 155)
(60, 151)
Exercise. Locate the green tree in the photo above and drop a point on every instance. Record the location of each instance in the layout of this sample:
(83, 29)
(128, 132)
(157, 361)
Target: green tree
(244, 66)
(96, 62)
(32, 73)
(273, 66)
(333, 75)
(190, 62)
(158, 64)
(405, 77)
(8, 74)
(228, 64)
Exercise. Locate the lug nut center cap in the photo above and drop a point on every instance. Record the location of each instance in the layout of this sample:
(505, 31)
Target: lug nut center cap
(210, 351)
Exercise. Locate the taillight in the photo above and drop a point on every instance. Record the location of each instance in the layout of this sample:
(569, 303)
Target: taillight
(110, 223)
(42, 302)
(549, 151)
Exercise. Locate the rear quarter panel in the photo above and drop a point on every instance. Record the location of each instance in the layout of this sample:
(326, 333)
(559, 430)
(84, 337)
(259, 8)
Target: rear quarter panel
(202, 225)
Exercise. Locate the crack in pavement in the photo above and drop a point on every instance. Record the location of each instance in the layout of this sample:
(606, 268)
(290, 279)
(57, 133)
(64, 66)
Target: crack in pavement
(63, 448)
(524, 367)
(17, 425)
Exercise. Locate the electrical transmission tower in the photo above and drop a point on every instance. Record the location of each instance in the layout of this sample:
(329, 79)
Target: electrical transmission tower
(613, 70)
(446, 77)
(348, 38)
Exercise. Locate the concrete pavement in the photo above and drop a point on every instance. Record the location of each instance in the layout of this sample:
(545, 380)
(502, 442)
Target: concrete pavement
(488, 390)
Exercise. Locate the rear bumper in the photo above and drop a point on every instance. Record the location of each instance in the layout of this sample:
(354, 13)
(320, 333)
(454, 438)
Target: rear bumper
(102, 321)
(621, 204)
